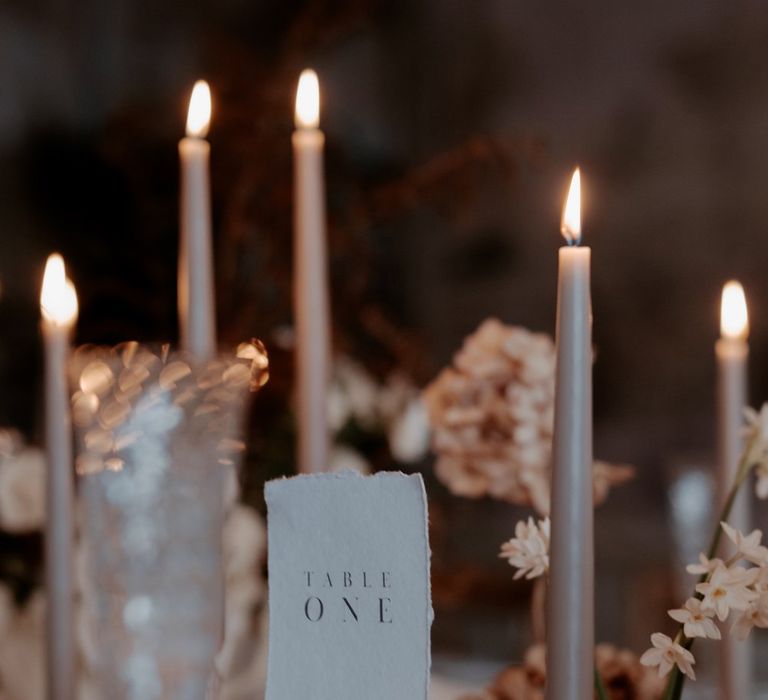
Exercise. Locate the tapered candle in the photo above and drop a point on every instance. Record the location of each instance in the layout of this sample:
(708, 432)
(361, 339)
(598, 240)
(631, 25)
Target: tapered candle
(58, 305)
(570, 613)
(311, 303)
(195, 284)
(732, 351)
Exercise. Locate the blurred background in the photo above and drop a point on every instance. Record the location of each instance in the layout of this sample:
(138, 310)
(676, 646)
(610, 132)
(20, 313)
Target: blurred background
(452, 128)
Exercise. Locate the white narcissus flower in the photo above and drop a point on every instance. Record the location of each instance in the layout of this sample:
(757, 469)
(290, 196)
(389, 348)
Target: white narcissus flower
(748, 546)
(756, 615)
(697, 621)
(705, 566)
(666, 654)
(528, 550)
(728, 589)
(22, 491)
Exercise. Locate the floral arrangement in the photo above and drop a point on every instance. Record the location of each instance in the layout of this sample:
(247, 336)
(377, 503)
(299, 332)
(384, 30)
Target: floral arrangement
(363, 410)
(726, 591)
(492, 414)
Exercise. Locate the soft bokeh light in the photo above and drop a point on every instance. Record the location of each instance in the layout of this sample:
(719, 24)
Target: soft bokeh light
(734, 319)
(58, 299)
(570, 225)
(308, 100)
(199, 114)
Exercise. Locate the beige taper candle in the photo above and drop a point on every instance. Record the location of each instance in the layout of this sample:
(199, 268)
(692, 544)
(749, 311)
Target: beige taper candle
(195, 284)
(570, 604)
(732, 352)
(58, 304)
(310, 275)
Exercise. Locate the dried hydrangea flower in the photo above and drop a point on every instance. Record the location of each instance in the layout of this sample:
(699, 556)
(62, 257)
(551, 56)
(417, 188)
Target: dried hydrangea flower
(492, 414)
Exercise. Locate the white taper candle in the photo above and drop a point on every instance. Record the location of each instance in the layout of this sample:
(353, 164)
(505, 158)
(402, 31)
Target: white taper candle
(570, 605)
(197, 306)
(311, 295)
(58, 303)
(732, 351)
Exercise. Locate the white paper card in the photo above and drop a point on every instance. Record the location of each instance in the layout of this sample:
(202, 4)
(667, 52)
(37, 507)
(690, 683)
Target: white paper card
(349, 596)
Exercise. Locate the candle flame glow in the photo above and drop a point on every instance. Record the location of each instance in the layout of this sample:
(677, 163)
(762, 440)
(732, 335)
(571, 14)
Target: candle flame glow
(199, 114)
(570, 224)
(58, 299)
(734, 319)
(308, 100)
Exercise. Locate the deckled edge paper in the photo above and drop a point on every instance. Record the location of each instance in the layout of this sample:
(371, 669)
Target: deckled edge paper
(286, 665)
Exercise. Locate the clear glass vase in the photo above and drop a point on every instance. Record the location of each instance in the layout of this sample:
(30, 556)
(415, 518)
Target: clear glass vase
(157, 438)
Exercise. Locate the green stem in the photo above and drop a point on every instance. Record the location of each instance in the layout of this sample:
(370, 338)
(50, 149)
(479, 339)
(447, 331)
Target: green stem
(599, 686)
(677, 678)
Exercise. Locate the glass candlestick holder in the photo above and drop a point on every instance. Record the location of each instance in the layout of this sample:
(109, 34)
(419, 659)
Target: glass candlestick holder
(157, 437)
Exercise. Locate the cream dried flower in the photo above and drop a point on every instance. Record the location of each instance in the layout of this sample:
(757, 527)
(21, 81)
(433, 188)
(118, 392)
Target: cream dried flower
(665, 654)
(22, 490)
(491, 414)
(344, 458)
(528, 550)
(409, 433)
(353, 394)
(696, 620)
(728, 588)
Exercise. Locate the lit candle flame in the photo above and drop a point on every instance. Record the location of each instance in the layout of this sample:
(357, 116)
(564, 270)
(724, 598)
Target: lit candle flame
(734, 319)
(58, 299)
(199, 114)
(570, 224)
(308, 100)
